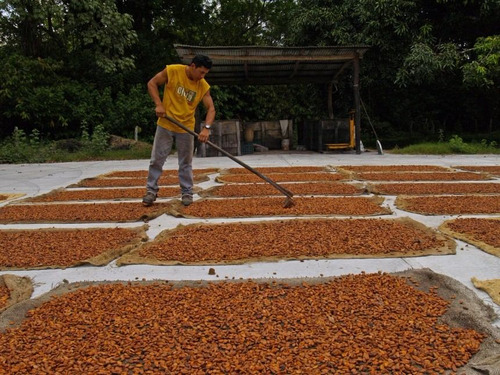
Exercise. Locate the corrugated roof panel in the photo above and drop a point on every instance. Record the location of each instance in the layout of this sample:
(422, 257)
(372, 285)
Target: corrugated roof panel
(273, 65)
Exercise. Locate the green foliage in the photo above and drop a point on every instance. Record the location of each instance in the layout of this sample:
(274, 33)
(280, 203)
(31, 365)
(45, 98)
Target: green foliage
(254, 103)
(440, 135)
(96, 33)
(423, 64)
(455, 145)
(131, 109)
(432, 64)
(34, 94)
(21, 25)
(485, 70)
(412, 75)
(34, 138)
(424, 149)
(249, 22)
(96, 143)
(87, 34)
(459, 146)
(20, 148)
(322, 23)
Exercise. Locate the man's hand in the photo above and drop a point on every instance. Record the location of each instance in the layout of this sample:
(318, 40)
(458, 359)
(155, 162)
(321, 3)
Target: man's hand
(160, 110)
(203, 135)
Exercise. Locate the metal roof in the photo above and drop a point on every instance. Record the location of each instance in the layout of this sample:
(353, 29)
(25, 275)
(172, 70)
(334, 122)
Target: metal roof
(273, 65)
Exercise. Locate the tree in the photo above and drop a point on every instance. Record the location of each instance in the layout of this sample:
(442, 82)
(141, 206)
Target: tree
(255, 22)
(250, 22)
(96, 34)
(159, 25)
(482, 67)
(482, 74)
(412, 75)
(87, 33)
(54, 55)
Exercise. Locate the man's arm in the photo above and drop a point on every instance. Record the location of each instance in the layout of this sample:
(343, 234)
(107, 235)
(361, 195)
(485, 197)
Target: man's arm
(159, 79)
(209, 105)
(209, 119)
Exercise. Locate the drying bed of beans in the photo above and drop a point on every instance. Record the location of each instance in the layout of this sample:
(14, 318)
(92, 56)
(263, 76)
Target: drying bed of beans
(4, 296)
(269, 206)
(450, 205)
(40, 248)
(144, 173)
(483, 232)
(133, 181)
(394, 168)
(281, 177)
(420, 176)
(493, 169)
(264, 170)
(317, 188)
(367, 323)
(435, 188)
(81, 212)
(293, 239)
(102, 194)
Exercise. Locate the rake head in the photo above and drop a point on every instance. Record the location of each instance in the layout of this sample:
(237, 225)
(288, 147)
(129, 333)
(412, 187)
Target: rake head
(288, 202)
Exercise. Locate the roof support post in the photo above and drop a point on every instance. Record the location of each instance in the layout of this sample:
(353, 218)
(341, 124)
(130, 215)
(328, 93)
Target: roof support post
(357, 115)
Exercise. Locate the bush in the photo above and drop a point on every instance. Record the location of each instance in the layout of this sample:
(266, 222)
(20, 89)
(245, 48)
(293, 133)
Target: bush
(97, 143)
(69, 145)
(455, 145)
(459, 146)
(131, 109)
(20, 148)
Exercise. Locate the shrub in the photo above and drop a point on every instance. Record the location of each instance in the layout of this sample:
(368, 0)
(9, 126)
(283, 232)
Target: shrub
(97, 143)
(458, 145)
(20, 148)
(69, 145)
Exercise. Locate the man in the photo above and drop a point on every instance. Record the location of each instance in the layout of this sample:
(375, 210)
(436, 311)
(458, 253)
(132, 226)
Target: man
(185, 87)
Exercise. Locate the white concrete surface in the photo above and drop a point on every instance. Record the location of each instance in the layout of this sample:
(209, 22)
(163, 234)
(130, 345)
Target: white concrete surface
(36, 179)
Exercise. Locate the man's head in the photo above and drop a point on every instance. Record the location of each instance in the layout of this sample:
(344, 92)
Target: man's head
(202, 60)
(199, 67)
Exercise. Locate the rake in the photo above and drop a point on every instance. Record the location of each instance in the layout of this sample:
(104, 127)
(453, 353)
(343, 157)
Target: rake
(288, 201)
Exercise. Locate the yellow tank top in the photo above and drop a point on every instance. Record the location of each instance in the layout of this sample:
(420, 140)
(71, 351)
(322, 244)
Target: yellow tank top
(181, 96)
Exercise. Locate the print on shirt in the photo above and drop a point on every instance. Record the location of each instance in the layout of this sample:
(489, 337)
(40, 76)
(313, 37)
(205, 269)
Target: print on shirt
(188, 94)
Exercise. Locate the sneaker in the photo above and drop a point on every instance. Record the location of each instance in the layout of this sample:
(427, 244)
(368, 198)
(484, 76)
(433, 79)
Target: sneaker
(187, 199)
(148, 199)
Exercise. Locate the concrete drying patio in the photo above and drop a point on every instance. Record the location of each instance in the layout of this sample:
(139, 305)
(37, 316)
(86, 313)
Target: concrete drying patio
(35, 179)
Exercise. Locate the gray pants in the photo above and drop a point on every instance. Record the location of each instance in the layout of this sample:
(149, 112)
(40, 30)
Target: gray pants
(162, 145)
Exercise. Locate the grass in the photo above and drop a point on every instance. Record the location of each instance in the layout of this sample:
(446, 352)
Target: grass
(454, 146)
(132, 154)
(428, 148)
(47, 155)
(21, 148)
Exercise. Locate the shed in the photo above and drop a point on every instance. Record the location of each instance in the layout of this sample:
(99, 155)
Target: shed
(270, 65)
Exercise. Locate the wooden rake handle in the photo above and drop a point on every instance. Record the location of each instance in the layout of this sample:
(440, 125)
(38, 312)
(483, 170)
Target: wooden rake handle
(284, 191)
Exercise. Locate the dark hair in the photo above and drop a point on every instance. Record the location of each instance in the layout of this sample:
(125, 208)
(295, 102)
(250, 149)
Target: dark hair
(202, 60)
